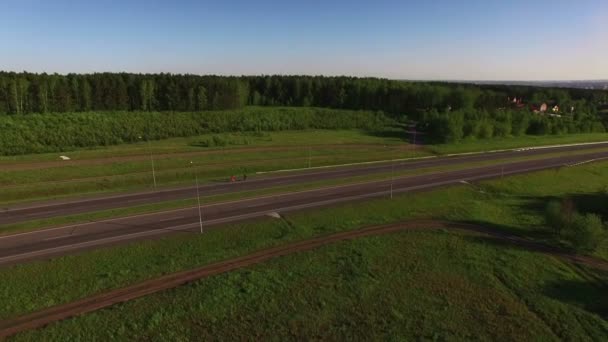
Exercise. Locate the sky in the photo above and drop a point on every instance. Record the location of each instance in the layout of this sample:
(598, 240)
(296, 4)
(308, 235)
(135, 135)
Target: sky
(418, 40)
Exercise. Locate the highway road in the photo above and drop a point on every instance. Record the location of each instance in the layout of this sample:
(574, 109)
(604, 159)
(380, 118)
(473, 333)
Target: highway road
(33, 211)
(70, 239)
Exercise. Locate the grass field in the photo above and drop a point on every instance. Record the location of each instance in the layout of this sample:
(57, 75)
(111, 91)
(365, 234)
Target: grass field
(514, 204)
(176, 204)
(414, 285)
(128, 167)
(83, 175)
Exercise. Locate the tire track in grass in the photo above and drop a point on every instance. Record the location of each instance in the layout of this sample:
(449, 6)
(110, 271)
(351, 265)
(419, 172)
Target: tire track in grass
(60, 312)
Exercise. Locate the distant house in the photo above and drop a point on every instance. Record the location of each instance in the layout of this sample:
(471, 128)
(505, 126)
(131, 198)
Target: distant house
(545, 107)
(515, 102)
(536, 108)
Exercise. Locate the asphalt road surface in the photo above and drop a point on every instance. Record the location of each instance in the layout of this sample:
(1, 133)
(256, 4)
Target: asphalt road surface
(16, 214)
(70, 239)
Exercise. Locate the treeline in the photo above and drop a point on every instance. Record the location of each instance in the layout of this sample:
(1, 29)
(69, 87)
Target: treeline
(37, 133)
(22, 93)
(41, 93)
(454, 125)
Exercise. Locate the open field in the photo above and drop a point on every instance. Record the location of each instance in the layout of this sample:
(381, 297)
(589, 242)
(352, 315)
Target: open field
(39, 180)
(128, 167)
(513, 204)
(240, 195)
(437, 285)
(43, 318)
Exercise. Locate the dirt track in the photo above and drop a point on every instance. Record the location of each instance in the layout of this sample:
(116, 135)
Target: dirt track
(44, 317)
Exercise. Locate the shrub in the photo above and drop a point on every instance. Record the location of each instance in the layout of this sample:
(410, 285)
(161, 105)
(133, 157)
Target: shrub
(585, 233)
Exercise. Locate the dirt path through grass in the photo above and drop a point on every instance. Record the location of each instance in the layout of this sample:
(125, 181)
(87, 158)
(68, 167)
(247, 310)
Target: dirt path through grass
(103, 300)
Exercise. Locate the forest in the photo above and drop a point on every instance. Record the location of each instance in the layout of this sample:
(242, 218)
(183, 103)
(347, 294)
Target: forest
(23, 93)
(448, 112)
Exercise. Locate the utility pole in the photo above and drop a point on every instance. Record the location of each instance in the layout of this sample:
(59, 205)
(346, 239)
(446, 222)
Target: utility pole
(198, 199)
(151, 161)
(392, 175)
(309, 156)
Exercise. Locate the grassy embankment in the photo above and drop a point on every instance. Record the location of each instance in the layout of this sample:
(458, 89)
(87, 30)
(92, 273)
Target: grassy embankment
(420, 285)
(243, 195)
(94, 173)
(128, 167)
(431, 286)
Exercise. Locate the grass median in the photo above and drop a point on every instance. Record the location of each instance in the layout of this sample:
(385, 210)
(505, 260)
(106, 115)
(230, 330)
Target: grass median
(513, 204)
(128, 167)
(185, 203)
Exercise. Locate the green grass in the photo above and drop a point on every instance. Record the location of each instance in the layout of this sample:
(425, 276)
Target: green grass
(412, 285)
(176, 204)
(473, 145)
(27, 182)
(192, 144)
(128, 167)
(513, 204)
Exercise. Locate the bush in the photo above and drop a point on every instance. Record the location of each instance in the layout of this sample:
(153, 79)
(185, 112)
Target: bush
(585, 232)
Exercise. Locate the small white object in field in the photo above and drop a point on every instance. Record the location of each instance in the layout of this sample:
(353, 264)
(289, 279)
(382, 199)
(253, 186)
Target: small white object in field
(64, 157)
(274, 215)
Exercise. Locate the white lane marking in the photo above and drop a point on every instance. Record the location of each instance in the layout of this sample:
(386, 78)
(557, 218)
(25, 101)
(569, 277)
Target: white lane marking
(347, 164)
(194, 207)
(300, 169)
(255, 199)
(520, 149)
(262, 213)
(586, 161)
(195, 224)
(56, 237)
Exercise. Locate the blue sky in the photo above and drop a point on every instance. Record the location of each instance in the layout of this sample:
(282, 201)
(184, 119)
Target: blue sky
(433, 39)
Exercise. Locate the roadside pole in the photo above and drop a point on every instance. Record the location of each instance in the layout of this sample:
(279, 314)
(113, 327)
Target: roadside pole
(151, 161)
(392, 175)
(198, 199)
(392, 171)
(309, 156)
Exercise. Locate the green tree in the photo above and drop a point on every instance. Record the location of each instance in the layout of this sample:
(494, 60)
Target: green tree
(585, 232)
(201, 98)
